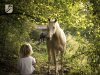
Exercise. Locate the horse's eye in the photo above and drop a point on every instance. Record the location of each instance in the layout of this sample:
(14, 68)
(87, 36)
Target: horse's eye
(53, 27)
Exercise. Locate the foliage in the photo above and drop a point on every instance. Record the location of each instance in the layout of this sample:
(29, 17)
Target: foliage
(78, 18)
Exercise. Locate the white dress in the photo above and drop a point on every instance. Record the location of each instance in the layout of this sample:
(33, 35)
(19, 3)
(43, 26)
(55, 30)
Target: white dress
(25, 65)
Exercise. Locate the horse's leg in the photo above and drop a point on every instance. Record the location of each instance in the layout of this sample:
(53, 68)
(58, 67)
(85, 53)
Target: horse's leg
(49, 60)
(55, 63)
(61, 62)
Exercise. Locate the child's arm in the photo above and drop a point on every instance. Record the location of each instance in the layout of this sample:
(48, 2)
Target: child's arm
(33, 61)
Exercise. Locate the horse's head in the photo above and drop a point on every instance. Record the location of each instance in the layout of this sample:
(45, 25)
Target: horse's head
(51, 28)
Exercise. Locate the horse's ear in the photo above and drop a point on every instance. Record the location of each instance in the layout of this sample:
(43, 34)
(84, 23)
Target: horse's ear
(55, 20)
(49, 19)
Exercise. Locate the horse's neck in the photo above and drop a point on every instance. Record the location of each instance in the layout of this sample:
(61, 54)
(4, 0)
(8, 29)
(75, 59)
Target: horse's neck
(58, 31)
(57, 25)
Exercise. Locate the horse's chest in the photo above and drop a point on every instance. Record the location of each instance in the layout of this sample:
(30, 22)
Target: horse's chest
(56, 44)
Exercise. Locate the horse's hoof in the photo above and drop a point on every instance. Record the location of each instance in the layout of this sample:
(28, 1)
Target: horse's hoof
(48, 73)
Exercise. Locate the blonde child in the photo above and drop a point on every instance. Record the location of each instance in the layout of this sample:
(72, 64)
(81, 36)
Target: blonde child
(26, 61)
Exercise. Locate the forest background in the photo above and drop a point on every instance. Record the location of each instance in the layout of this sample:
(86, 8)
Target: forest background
(80, 20)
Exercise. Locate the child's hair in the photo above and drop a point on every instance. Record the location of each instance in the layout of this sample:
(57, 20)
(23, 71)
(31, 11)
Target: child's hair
(26, 50)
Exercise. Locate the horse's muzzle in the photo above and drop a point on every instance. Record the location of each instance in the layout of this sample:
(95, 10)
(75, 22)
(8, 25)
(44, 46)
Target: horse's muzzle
(49, 38)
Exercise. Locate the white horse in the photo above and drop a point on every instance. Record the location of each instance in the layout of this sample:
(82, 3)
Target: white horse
(56, 42)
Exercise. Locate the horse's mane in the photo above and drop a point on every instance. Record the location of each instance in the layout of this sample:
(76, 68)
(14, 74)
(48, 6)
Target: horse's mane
(57, 24)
